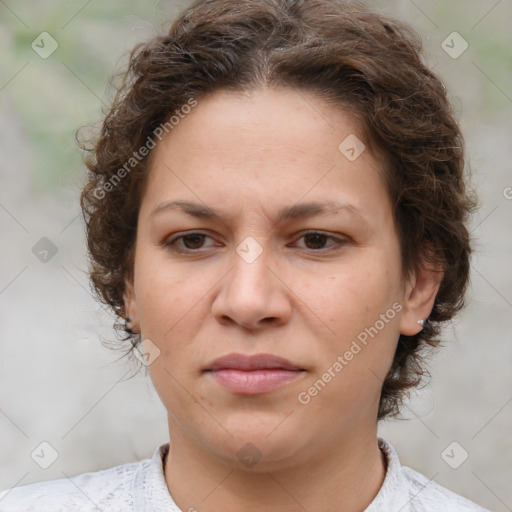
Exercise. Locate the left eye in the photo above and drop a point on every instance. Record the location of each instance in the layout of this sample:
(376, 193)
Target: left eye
(318, 239)
(192, 242)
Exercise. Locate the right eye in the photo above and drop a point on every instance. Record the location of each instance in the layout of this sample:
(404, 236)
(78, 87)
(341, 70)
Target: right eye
(190, 242)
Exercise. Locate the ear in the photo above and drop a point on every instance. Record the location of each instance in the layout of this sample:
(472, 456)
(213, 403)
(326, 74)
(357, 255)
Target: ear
(420, 294)
(130, 305)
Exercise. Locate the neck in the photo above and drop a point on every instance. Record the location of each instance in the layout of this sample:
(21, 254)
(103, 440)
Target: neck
(348, 474)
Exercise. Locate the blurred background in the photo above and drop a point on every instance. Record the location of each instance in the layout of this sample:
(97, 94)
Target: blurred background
(60, 385)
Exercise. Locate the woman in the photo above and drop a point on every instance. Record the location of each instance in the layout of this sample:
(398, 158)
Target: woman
(276, 207)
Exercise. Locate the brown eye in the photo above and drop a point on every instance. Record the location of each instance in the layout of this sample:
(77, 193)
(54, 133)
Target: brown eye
(316, 241)
(190, 242)
(193, 241)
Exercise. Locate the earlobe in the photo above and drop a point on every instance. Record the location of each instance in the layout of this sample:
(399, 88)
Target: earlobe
(419, 299)
(130, 305)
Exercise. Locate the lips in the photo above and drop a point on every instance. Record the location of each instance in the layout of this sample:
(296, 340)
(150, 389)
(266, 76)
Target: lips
(253, 374)
(252, 362)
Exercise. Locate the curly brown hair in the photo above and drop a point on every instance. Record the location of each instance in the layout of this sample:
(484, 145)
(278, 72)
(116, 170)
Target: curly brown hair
(367, 63)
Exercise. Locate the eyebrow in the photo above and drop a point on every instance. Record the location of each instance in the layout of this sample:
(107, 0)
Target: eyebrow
(296, 211)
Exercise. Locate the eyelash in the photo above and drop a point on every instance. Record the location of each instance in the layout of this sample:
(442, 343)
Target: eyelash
(171, 243)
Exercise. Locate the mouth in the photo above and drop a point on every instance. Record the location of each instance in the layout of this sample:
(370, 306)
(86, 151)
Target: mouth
(253, 374)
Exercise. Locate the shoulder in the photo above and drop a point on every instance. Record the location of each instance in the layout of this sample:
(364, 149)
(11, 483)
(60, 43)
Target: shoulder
(84, 492)
(429, 495)
(409, 491)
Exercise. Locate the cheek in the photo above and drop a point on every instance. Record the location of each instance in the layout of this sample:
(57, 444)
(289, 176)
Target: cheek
(168, 297)
(172, 307)
(353, 297)
(362, 308)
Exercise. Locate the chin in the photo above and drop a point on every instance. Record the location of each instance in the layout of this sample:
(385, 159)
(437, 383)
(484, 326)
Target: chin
(258, 446)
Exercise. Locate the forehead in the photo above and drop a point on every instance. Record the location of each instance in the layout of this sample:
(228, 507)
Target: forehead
(261, 146)
(270, 118)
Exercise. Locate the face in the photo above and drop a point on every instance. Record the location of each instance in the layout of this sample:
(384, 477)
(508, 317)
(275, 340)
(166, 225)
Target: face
(320, 289)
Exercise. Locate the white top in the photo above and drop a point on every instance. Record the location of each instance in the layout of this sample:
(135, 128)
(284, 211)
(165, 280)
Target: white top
(141, 487)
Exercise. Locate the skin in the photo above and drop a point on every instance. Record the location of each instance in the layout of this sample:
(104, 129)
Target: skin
(302, 299)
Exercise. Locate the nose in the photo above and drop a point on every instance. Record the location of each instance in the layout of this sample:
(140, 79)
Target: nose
(253, 294)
